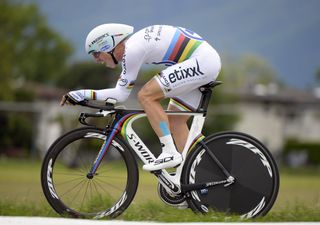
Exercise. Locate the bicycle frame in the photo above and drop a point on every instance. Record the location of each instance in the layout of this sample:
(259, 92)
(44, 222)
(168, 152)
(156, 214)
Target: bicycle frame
(173, 181)
(124, 124)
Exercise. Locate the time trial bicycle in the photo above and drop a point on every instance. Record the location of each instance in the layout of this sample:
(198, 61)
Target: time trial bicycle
(92, 172)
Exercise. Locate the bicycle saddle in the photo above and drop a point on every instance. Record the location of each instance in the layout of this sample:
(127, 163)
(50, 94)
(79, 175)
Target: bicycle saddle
(210, 85)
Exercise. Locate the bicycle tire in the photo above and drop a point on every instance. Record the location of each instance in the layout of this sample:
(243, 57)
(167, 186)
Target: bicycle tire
(64, 175)
(251, 164)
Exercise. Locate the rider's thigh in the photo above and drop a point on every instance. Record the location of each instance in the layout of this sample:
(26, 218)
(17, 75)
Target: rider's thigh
(151, 91)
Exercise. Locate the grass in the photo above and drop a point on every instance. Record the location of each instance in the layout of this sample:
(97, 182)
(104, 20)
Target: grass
(21, 194)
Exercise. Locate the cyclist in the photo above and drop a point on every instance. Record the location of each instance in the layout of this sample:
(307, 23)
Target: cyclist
(191, 62)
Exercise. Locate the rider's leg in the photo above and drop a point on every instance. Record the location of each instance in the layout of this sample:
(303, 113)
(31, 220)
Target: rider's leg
(149, 97)
(177, 80)
(178, 128)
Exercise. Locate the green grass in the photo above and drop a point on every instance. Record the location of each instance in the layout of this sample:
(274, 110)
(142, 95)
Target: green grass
(21, 194)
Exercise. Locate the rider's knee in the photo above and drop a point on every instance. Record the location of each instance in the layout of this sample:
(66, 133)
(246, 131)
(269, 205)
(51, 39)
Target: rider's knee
(144, 95)
(149, 93)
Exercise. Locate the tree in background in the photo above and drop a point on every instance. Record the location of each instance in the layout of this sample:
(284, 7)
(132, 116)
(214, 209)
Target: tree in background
(30, 50)
(247, 71)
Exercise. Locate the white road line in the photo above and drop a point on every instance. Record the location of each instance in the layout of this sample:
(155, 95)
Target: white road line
(8, 220)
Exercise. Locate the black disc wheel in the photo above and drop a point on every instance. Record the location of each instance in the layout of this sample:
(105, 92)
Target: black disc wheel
(69, 187)
(256, 178)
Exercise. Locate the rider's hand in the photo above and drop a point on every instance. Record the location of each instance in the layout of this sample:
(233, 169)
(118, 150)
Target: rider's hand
(73, 98)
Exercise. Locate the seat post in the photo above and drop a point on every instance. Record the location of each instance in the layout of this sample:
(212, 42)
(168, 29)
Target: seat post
(205, 99)
(206, 91)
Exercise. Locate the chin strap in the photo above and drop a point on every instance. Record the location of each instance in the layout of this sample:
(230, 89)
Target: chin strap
(113, 57)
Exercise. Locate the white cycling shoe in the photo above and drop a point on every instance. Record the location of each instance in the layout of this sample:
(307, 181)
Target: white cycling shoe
(165, 160)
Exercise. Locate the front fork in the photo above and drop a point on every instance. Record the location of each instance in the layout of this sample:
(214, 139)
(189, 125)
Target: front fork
(102, 153)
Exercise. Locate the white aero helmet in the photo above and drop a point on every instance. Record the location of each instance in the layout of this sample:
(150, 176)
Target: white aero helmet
(105, 37)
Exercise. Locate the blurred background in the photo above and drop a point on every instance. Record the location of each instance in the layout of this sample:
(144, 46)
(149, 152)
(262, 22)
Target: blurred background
(271, 73)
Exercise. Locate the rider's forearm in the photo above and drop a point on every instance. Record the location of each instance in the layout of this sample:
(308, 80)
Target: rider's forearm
(119, 94)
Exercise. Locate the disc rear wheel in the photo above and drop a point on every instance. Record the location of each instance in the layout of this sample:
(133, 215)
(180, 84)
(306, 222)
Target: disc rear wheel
(251, 165)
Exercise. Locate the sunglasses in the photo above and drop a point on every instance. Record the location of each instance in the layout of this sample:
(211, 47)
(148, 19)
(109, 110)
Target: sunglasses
(96, 54)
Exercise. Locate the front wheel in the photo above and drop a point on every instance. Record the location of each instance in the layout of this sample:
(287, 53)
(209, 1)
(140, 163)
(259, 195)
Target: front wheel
(248, 161)
(72, 192)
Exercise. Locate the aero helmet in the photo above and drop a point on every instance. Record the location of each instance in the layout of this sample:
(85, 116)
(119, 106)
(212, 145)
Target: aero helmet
(105, 37)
